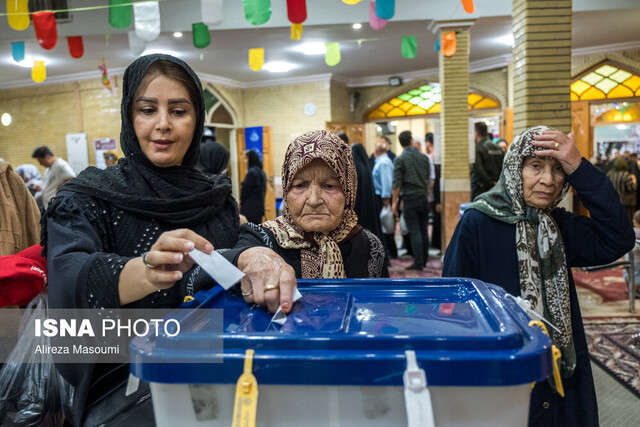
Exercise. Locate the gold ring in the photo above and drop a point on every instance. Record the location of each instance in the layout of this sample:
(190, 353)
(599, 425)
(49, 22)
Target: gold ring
(555, 147)
(271, 287)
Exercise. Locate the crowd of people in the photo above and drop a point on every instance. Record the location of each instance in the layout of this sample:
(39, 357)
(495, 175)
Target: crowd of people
(121, 236)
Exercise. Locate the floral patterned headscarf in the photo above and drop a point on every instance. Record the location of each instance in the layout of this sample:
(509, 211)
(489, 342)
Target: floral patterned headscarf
(320, 254)
(542, 264)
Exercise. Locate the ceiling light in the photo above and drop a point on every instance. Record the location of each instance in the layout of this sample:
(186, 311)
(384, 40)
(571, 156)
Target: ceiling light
(6, 119)
(161, 51)
(507, 40)
(357, 26)
(177, 34)
(313, 48)
(27, 62)
(278, 66)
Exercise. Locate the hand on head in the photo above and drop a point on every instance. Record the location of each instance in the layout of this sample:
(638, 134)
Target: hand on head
(268, 281)
(559, 146)
(168, 259)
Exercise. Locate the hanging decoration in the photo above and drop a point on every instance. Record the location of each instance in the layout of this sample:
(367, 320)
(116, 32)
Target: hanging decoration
(212, 12)
(20, 21)
(296, 31)
(257, 12)
(120, 13)
(468, 6)
(146, 17)
(448, 44)
(201, 36)
(409, 47)
(76, 46)
(136, 44)
(38, 71)
(105, 76)
(256, 58)
(375, 22)
(385, 9)
(351, 1)
(46, 31)
(436, 47)
(17, 51)
(297, 11)
(332, 57)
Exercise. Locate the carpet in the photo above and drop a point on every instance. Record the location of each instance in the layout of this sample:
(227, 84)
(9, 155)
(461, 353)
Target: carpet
(398, 268)
(614, 344)
(609, 284)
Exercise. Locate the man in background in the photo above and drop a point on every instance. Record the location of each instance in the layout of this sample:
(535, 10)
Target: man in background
(383, 182)
(485, 172)
(58, 172)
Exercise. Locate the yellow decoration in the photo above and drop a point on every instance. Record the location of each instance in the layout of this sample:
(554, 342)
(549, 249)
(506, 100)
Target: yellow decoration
(18, 22)
(606, 82)
(256, 58)
(351, 1)
(296, 31)
(38, 71)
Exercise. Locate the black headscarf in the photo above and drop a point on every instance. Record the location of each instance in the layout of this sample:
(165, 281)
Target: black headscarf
(253, 159)
(366, 206)
(180, 196)
(214, 158)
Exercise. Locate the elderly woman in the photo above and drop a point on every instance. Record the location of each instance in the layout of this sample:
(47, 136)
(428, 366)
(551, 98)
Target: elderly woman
(515, 237)
(318, 233)
(120, 237)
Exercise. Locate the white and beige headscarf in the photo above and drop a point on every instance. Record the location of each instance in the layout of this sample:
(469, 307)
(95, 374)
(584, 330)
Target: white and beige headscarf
(320, 254)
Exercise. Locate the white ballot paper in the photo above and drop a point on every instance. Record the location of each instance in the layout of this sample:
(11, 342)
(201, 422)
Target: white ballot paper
(216, 266)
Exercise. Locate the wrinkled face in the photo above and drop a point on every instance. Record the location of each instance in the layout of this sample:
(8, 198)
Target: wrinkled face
(315, 199)
(164, 120)
(542, 181)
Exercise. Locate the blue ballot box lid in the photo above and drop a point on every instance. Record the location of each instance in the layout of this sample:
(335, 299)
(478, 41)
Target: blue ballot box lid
(355, 332)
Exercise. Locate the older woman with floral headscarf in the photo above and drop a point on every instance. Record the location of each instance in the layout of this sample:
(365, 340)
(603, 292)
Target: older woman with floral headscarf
(516, 237)
(318, 233)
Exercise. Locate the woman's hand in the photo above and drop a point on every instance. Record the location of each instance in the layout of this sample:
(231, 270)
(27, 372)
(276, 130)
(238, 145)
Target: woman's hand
(268, 280)
(168, 259)
(559, 146)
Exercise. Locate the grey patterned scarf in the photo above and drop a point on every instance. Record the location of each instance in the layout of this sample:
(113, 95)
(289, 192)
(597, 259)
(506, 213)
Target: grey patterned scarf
(542, 265)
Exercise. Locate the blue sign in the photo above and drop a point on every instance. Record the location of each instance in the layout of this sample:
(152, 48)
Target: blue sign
(253, 139)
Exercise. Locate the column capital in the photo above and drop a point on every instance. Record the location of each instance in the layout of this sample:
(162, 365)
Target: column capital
(452, 25)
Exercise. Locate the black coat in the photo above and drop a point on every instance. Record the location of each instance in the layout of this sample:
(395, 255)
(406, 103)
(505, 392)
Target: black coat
(254, 187)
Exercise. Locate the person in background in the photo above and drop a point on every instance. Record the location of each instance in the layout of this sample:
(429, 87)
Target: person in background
(514, 236)
(19, 214)
(390, 153)
(636, 254)
(318, 234)
(625, 184)
(488, 165)
(254, 188)
(503, 145)
(214, 158)
(57, 173)
(411, 179)
(110, 158)
(383, 184)
(434, 195)
(30, 174)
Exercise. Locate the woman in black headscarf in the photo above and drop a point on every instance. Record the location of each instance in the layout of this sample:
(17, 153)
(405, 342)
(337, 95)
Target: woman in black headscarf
(120, 237)
(366, 206)
(254, 187)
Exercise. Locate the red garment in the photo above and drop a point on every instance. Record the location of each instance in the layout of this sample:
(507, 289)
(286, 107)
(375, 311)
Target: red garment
(22, 276)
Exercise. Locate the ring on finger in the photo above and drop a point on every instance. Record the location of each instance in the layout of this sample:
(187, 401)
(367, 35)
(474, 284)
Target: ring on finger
(270, 287)
(556, 145)
(247, 294)
(145, 262)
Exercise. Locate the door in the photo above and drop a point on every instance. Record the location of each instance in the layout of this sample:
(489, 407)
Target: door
(263, 146)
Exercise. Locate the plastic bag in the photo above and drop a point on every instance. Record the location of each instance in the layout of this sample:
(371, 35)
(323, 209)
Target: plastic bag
(387, 220)
(32, 392)
(403, 225)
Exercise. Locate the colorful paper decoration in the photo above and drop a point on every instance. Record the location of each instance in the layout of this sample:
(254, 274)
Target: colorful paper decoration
(448, 44)
(351, 1)
(120, 13)
(385, 9)
(201, 36)
(147, 20)
(297, 11)
(17, 51)
(409, 47)
(76, 47)
(296, 31)
(136, 44)
(375, 22)
(38, 71)
(46, 31)
(18, 22)
(257, 12)
(332, 57)
(105, 76)
(468, 6)
(256, 58)
(436, 47)
(212, 12)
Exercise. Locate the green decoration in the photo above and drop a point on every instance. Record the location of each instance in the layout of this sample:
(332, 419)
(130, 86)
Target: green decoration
(257, 12)
(409, 47)
(120, 12)
(209, 100)
(332, 57)
(201, 36)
